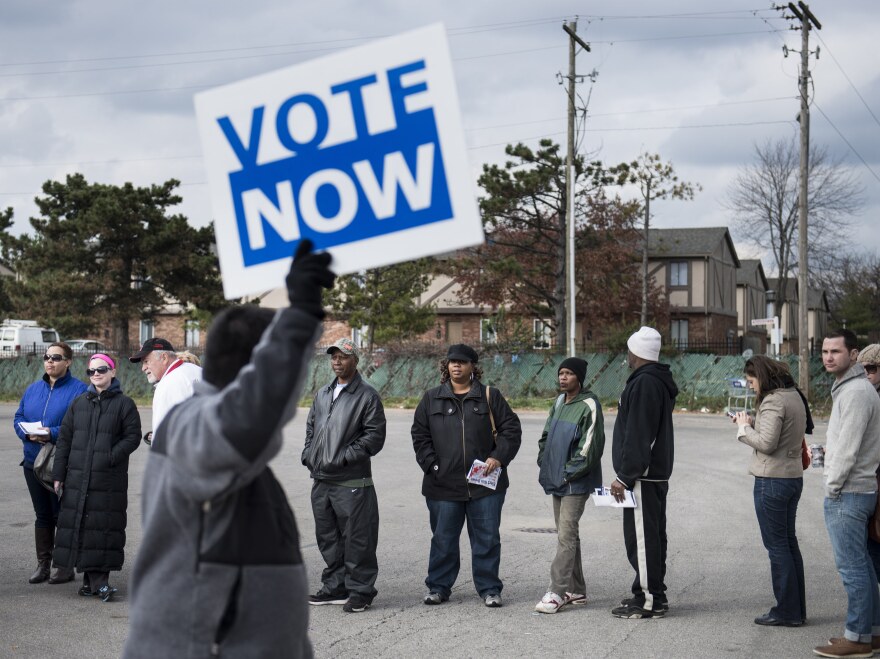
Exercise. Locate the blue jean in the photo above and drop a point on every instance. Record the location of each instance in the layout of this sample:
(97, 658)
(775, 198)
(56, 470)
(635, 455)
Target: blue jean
(483, 517)
(846, 518)
(776, 502)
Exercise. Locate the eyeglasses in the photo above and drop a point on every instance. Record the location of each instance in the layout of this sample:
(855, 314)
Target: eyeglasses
(100, 370)
(53, 358)
(871, 368)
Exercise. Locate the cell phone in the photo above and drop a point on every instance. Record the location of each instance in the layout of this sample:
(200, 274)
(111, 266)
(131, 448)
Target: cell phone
(732, 415)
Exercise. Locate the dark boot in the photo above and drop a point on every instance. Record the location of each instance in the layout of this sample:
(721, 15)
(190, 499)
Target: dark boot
(60, 574)
(44, 539)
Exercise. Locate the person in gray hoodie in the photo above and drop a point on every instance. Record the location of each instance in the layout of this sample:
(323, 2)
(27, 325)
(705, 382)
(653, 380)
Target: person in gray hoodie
(852, 454)
(219, 571)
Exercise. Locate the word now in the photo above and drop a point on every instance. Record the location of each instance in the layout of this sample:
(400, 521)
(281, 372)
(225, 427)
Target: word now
(336, 194)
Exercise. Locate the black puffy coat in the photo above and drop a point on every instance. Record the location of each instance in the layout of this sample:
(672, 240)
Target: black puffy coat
(449, 434)
(98, 433)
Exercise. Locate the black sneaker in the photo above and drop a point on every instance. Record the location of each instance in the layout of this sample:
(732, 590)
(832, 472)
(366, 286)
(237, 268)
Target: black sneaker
(638, 601)
(435, 598)
(636, 611)
(356, 604)
(106, 593)
(320, 598)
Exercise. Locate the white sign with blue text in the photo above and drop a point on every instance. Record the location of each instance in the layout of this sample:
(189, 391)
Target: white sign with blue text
(363, 152)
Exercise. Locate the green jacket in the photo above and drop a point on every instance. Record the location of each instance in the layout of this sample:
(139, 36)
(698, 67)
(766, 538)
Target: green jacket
(571, 446)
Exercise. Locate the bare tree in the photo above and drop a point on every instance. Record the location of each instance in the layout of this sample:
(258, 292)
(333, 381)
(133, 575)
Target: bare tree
(656, 180)
(764, 200)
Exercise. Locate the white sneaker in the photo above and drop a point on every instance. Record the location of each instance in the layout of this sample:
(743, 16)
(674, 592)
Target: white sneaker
(550, 603)
(493, 601)
(575, 598)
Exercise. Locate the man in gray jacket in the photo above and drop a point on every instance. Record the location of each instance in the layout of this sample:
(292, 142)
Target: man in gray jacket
(852, 454)
(219, 571)
(345, 428)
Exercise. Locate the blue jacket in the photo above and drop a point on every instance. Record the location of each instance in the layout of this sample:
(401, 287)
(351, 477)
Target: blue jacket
(47, 404)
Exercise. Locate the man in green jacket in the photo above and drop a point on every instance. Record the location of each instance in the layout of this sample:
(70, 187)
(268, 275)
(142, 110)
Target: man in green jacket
(569, 456)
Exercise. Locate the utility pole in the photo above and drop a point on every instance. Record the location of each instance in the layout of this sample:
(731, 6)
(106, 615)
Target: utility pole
(571, 313)
(644, 315)
(805, 16)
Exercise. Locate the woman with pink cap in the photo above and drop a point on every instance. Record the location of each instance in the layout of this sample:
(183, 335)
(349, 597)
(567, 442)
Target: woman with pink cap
(98, 433)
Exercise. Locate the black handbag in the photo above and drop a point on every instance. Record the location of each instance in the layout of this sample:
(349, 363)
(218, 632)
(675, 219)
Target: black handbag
(43, 466)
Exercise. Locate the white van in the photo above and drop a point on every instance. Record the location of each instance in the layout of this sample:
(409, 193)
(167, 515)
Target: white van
(24, 337)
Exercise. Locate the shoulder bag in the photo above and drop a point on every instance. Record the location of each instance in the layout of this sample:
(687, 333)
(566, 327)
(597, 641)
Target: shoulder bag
(491, 416)
(43, 466)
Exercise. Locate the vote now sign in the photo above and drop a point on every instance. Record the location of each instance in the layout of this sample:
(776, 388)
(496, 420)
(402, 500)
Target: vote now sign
(362, 152)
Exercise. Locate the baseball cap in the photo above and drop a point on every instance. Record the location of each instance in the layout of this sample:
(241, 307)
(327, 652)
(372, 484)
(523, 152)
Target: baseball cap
(346, 347)
(149, 346)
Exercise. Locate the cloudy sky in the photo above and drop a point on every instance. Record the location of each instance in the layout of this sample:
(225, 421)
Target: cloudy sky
(106, 88)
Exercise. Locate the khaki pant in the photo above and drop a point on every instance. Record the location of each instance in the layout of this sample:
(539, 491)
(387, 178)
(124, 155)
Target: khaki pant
(566, 570)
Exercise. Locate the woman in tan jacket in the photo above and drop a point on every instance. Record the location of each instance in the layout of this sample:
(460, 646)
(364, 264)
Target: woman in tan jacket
(776, 434)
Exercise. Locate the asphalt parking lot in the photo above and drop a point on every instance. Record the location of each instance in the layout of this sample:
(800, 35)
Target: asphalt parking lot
(718, 572)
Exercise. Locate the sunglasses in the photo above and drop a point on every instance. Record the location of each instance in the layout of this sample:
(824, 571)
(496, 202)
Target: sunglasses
(53, 358)
(871, 368)
(100, 370)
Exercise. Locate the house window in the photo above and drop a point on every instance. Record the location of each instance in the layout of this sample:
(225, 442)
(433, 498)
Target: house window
(543, 333)
(453, 331)
(487, 331)
(678, 273)
(679, 333)
(191, 334)
(146, 330)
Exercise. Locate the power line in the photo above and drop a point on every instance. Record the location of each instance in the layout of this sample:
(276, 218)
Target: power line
(852, 148)
(650, 111)
(453, 31)
(851, 84)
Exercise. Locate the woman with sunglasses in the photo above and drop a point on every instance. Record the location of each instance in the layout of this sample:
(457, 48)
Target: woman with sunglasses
(98, 433)
(45, 402)
(870, 359)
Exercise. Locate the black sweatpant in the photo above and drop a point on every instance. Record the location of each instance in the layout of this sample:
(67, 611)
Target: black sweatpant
(347, 531)
(46, 504)
(644, 531)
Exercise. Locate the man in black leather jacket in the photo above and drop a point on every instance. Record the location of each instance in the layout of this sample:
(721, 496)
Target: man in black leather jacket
(345, 428)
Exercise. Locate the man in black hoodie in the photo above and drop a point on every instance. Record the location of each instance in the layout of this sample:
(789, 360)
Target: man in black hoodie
(641, 455)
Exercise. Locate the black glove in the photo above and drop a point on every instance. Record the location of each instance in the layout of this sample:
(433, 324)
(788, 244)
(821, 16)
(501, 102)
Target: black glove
(309, 272)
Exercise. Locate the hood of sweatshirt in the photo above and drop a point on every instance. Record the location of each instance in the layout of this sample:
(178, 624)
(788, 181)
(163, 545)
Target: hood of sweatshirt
(661, 372)
(855, 372)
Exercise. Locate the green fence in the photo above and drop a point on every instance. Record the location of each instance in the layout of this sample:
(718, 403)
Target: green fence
(702, 379)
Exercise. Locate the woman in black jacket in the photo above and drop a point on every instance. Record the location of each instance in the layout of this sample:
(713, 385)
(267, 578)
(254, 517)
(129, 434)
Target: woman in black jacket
(98, 433)
(452, 428)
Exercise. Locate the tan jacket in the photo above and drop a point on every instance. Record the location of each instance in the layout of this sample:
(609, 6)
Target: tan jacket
(778, 431)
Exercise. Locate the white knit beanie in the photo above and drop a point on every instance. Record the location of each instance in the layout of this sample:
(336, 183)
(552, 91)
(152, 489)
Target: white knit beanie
(645, 344)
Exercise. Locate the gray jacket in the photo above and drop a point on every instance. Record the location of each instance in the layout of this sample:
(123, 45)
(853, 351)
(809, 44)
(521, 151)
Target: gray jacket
(219, 570)
(342, 435)
(780, 423)
(852, 447)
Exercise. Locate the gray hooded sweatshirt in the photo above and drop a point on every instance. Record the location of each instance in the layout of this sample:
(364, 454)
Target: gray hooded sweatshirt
(219, 571)
(852, 450)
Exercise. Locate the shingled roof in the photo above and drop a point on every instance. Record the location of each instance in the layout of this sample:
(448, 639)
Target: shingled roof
(688, 243)
(746, 271)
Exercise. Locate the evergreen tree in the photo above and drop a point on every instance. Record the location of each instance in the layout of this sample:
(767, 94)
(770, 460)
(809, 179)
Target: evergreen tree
(105, 254)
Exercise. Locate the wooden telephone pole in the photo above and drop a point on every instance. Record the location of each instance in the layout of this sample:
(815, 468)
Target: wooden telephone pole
(805, 16)
(570, 312)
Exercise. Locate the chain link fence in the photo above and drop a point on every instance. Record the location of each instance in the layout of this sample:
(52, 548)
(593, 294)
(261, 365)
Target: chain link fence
(702, 379)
